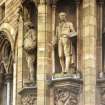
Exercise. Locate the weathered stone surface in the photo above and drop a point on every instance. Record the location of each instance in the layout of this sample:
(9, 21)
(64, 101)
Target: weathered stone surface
(53, 88)
(28, 95)
(67, 91)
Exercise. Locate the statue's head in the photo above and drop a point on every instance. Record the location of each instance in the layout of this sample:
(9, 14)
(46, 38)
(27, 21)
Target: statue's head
(28, 25)
(62, 16)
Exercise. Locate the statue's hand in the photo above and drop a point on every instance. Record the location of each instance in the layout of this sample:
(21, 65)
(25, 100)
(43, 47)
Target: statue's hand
(54, 42)
(72, 34)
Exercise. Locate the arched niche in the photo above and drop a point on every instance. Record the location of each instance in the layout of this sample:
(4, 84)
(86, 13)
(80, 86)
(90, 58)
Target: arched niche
(9, 33)
(68, 6)
(29, 14)
(72, 8)
(6, 69)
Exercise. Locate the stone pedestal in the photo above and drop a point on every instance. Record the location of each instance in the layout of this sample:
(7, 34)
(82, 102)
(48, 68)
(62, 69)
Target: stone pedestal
(28, 95)
(66, 91)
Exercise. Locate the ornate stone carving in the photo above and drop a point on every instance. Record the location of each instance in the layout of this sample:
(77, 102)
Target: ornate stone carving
(28, 95)
(30, 47)
(64, 32)
(29, 99)
(66, 96)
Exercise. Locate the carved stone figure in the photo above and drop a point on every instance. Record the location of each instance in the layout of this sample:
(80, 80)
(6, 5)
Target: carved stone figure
(30, 47)
(65, 97)
(64, 32)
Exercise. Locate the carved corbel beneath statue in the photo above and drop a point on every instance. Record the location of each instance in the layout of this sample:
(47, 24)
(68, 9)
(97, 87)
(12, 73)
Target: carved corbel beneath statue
(29, 96)
(66, 96)
(66, 91)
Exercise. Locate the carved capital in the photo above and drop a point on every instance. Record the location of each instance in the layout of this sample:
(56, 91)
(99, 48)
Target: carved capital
(8, 76)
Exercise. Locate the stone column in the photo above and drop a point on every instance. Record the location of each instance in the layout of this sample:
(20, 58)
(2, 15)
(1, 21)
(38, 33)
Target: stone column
(53, 34)
(14, 83)
(43, 52)
(8, 93)
(8, 78)
(19, 68)
(89, 51)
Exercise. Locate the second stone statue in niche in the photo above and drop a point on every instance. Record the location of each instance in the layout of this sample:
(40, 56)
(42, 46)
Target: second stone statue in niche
(64, 32)
(30, 42)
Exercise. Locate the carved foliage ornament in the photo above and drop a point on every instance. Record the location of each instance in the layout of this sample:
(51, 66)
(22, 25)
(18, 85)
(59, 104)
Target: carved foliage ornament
(29, 99)
(66, 96)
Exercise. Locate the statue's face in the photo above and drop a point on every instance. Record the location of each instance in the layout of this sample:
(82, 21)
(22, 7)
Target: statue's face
(62, 16)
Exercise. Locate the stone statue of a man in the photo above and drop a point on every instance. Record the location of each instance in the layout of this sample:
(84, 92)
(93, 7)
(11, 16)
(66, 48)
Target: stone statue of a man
(63, 34)
(30, 47)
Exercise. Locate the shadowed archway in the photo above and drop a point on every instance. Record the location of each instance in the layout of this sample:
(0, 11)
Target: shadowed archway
(6, 70)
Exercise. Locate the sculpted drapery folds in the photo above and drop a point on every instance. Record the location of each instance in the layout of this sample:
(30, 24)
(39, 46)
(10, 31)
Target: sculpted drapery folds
(30, 47)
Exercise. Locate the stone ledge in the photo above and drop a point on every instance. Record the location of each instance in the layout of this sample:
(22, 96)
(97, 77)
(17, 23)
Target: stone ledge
(66, 80)
(64, 75)
(27, 90)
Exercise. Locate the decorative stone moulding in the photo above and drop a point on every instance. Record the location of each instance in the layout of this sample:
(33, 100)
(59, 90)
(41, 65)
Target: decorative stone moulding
(100, 91)
(28, 95)
(67, 91)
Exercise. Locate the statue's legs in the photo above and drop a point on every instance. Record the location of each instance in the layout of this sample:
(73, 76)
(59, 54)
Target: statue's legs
(67, 52)
(30, 61)
(61, 55)
(62, 64)
(32, 73)
(67, 64)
